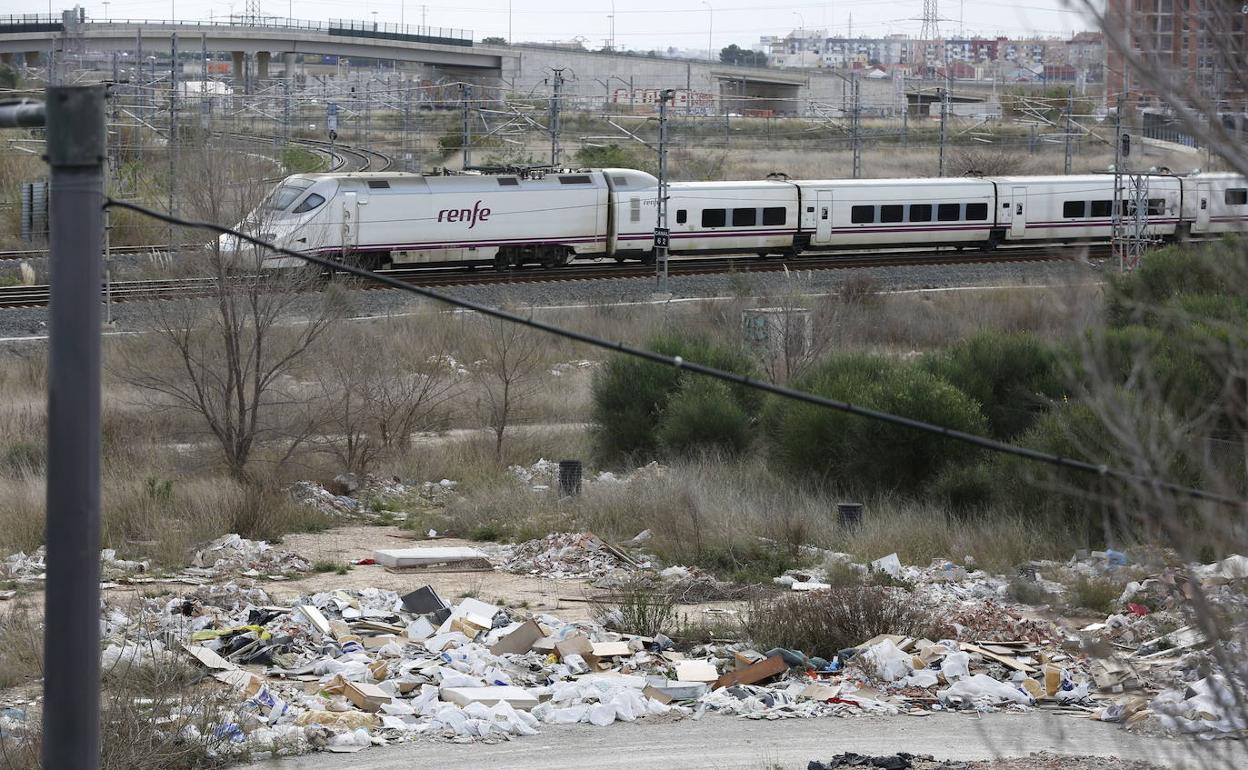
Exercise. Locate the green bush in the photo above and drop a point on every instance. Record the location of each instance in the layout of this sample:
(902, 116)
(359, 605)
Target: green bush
(631, 396)
(868, 455)
(1012, 376)
(611, 156)
(704, 415)
(1173, 271)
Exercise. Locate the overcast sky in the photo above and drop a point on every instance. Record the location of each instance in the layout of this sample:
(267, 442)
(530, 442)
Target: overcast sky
(639, 24)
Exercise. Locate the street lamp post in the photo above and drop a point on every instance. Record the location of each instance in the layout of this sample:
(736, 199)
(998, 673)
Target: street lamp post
(801, 39)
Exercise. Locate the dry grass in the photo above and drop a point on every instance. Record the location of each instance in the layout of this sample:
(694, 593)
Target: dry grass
(21, 647)
(821, 623)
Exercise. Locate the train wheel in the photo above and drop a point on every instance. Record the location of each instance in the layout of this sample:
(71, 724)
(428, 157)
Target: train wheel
(502, 262)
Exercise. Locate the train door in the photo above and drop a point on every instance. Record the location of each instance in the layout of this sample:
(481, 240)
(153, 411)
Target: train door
(1018, 212)
(1202, 207)
(823, 214)
(350, 220)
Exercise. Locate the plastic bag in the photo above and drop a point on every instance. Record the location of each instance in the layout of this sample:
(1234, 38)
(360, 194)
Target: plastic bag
(955, 666)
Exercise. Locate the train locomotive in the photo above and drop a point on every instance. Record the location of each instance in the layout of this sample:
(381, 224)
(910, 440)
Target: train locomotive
(552, 218)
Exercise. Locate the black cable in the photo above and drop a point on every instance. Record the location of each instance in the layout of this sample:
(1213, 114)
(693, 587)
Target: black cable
(719, 374)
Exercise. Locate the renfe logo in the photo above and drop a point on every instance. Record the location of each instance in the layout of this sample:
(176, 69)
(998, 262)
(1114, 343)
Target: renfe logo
(473, 215)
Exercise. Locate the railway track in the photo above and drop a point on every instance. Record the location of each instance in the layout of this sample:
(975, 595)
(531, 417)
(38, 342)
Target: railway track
(175, 288)
(19, 255)
(342, 157)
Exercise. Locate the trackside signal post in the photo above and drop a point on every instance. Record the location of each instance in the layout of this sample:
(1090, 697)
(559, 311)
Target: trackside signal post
(76, 150)
(662, 235)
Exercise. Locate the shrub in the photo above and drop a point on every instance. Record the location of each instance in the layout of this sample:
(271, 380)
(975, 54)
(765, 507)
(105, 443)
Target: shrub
(1012, 376)
(1097, 594)
(641, 608)
(821, 623)
(703, 414)
(630, 396)
(868, 455)
(611, 156)
(1170, 272)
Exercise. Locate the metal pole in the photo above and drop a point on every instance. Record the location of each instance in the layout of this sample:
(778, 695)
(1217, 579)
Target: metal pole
(1070, 126)
(661, 233)
(173, 136)
(466, 95)
(944, 118)
(555, 106)
(76, 145)
(857, 129)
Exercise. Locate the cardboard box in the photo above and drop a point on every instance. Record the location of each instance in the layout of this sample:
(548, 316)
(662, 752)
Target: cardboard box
(366, 697)
(519, 641)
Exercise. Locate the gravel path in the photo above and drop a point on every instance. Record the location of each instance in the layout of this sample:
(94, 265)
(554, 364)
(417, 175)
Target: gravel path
(22, 322)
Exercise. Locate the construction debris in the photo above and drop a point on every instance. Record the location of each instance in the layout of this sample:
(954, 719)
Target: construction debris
(232, 554)
(570, 555)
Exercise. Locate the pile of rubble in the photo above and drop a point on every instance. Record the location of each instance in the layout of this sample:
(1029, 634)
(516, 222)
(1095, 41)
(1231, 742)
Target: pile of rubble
(234, 555)
(543, 475)
(370, 495)
(28, 568)
(571, 555)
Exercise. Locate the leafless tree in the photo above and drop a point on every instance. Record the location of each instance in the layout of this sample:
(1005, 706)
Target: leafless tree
(507, 374)
(379, 385)
(226, 356)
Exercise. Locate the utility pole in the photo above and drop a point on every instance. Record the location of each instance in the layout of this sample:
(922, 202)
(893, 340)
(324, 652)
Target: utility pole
(856, 127)
(662, 235)
(555, 106)
(944, 119)
(465, 95)
(1070, 126)
(1117, 240)
(76, 146)
(173, 136)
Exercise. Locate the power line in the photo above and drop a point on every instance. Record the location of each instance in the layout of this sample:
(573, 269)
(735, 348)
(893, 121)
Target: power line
(678, 362)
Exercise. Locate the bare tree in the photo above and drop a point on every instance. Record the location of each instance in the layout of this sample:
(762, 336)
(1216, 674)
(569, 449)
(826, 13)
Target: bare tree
(379, 385)
(506, 375)
(228, 354)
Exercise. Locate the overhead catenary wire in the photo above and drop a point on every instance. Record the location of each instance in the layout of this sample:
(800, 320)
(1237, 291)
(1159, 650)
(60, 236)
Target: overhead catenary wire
(982, 442)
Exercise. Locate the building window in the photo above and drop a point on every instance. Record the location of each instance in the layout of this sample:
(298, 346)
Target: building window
(862, 215)
(714, 217)
(1074, 209)
(1236, 196)
(977, 212)
(892, 213)
(744, 217)
(949, 212)
(921, 212)
(777, 215)
(682, 216)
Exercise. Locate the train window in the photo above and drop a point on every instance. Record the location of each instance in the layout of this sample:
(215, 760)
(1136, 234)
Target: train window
(1102, 208)
(862, 215)
(744, 217)
(714, 217)
(634, 209)
(580, 179)
(622, 181)
(378, 184)
(892, 213)
(977, 212)
(508, 181)
(1156, 207)
(1075, 209)
(309, 203)
(682, 216)
(776, 215)
(1236, 196)
(921, 212)
(287, 194)
(949, 212)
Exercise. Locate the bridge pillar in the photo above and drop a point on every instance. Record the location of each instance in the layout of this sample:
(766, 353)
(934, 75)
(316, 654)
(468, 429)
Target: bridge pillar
(240, 71)
(262, 65)
(288, 62)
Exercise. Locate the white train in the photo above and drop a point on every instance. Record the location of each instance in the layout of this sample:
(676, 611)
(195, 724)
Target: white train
(380, 219)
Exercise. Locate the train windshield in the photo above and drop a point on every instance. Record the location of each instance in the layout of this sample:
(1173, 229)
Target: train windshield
(285, 195)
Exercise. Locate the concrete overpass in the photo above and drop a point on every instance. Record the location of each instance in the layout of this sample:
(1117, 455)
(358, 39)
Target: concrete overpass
(261, 40)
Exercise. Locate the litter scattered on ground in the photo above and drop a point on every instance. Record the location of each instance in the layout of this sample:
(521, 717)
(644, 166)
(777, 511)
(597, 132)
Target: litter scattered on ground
(235, 555)
(569, 555)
